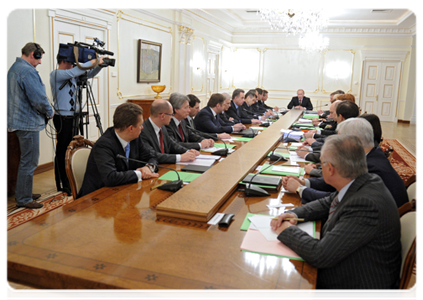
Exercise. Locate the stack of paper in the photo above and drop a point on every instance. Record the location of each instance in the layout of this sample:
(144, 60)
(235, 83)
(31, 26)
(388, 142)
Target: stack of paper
(260, 238)
(201, 160)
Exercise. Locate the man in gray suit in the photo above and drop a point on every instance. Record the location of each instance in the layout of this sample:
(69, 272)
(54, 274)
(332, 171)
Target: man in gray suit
(360, 245)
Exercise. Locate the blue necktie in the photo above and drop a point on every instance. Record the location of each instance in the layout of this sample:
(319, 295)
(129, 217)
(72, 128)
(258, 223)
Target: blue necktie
(127, 150)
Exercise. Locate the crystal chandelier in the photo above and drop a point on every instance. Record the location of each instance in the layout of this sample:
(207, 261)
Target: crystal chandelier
(313, 42)
(295, 21)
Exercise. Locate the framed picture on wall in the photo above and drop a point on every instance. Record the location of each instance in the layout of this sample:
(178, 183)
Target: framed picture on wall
(149, 61)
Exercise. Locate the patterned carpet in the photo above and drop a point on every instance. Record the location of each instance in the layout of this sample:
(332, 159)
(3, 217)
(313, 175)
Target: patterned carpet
(402, 160)
(18, 216)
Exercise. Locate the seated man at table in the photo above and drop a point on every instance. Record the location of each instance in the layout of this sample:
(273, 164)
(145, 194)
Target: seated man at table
(234, 111)
(194, 106)
(178, 128)
(208, 119)
(168, 151)
(359, 245)
(104, 168)
(259, 106)
(300, 102)
(324, 118)
(264, 99)
(227, 120)
(247, 109)
(315, 188)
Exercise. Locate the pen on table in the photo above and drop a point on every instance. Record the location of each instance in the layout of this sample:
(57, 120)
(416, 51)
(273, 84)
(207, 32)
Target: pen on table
(288, 219)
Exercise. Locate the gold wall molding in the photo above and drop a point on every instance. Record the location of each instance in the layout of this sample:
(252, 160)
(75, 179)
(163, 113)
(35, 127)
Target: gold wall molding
(185, 34)
(122, 16)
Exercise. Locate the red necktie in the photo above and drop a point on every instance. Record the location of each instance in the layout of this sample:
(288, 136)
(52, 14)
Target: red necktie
(181, 132)
(301, 100)
(161, 141)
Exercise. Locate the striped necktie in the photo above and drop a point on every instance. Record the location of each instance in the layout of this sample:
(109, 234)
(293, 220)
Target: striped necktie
(335, 202)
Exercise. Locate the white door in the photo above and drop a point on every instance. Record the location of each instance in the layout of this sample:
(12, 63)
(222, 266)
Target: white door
(70, 33)
(380, 84)
(212, 63)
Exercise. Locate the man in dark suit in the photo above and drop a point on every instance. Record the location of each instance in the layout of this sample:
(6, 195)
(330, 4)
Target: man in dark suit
(194, 106)
(264, 99)
(178, 129)
(155, 134)
(208, 119)
(315, 188)
(359, 245)
(300, 102)
(235, 110)
(259, 106)
(104, 168)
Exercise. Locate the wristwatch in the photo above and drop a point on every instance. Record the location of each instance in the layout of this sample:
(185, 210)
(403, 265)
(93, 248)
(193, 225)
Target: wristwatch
(298, 190)
(152, 168)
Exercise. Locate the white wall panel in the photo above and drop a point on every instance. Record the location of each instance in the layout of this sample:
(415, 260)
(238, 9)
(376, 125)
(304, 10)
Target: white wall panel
(128, 35)
(226, 69)
(198, 68)
(246, 68)
(290, 70)
(338, 70)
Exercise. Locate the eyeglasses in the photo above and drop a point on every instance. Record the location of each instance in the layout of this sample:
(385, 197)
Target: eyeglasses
(168, 114)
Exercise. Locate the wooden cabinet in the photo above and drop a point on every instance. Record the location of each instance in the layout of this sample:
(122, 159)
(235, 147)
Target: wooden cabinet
(145, 104)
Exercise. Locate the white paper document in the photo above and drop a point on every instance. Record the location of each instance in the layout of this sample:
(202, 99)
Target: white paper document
(212, 149)
(294, 157)
(205, 156)
(262, 224)
(302, 120)
(295, 170)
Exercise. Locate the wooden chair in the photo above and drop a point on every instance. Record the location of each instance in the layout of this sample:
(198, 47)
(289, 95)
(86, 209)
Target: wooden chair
(411, 187)
(408, 243)
(388, 153)
(76, 161)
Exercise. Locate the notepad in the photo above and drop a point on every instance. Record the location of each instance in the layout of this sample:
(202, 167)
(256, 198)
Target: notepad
(221, 145)
(185, 176)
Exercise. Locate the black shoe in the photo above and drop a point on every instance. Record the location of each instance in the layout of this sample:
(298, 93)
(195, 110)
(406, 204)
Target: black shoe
(32, 204)
(35, 196)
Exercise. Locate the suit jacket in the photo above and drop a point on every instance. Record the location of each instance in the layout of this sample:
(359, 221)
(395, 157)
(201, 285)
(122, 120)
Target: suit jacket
(224, 118)
(259, 108)
(248, 111)
(105, 169)
(360, 246)
(171, 147)
(236, 114)
(191, 139)
(206, 122)
(305, 103)
(377, 163)
(190, 122)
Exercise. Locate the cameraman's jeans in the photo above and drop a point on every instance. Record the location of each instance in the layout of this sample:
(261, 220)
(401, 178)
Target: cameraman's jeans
(29, 142)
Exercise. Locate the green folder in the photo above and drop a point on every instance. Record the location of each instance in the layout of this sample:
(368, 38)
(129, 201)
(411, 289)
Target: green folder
(242, 139)
(185, 176)
(221, 145)
(303, 125)
(310, 116)
(271, 172)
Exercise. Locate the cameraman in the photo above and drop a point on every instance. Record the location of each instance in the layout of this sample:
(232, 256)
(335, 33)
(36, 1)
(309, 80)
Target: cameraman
(67, 109)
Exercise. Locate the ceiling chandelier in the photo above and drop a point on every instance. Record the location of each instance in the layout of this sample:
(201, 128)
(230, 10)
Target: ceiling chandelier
(295, 21)
(313, 42)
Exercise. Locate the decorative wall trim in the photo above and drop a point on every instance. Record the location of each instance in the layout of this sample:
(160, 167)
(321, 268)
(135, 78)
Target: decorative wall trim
(120, 15)
(383, 55)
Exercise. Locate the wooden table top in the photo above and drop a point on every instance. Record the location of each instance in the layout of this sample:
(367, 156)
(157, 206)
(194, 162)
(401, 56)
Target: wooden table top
(112, 238)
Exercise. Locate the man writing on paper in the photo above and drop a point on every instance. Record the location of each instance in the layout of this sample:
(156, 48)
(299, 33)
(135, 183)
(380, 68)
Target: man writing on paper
(104, 168)
(360, 245)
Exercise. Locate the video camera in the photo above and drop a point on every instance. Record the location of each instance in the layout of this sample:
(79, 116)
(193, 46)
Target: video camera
(86, 52)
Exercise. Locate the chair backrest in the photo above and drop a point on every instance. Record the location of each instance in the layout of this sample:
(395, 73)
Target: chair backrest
(411, 187)
(76, 162)
(408, 247)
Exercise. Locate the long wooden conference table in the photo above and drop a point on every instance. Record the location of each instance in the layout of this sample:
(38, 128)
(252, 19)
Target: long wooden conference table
(131, 236)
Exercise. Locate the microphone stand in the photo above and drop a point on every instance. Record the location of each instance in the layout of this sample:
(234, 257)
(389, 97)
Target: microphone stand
(220, 152)
(172, 186)
(254, 190)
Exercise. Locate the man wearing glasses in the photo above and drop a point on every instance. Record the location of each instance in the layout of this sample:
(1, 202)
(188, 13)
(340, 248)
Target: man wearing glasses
(168, 151)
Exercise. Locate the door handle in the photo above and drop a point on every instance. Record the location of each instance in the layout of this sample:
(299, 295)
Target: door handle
(377, 97)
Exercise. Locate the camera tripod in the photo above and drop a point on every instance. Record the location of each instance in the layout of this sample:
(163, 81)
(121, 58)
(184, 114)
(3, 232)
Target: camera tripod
(82, 117)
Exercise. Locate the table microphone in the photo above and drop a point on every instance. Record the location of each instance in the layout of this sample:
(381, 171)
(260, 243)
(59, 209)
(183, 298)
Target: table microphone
(290, 140)
(172, 186)
(254, 190)
(220, 152)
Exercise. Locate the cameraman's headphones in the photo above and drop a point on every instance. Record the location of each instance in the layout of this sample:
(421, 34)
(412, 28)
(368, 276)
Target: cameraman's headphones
(37, 52)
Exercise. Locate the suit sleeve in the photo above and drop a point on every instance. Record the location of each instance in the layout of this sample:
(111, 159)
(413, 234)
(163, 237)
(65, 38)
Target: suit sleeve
(309, 105)
(291, 104)
(105, 159)
(356, 227)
